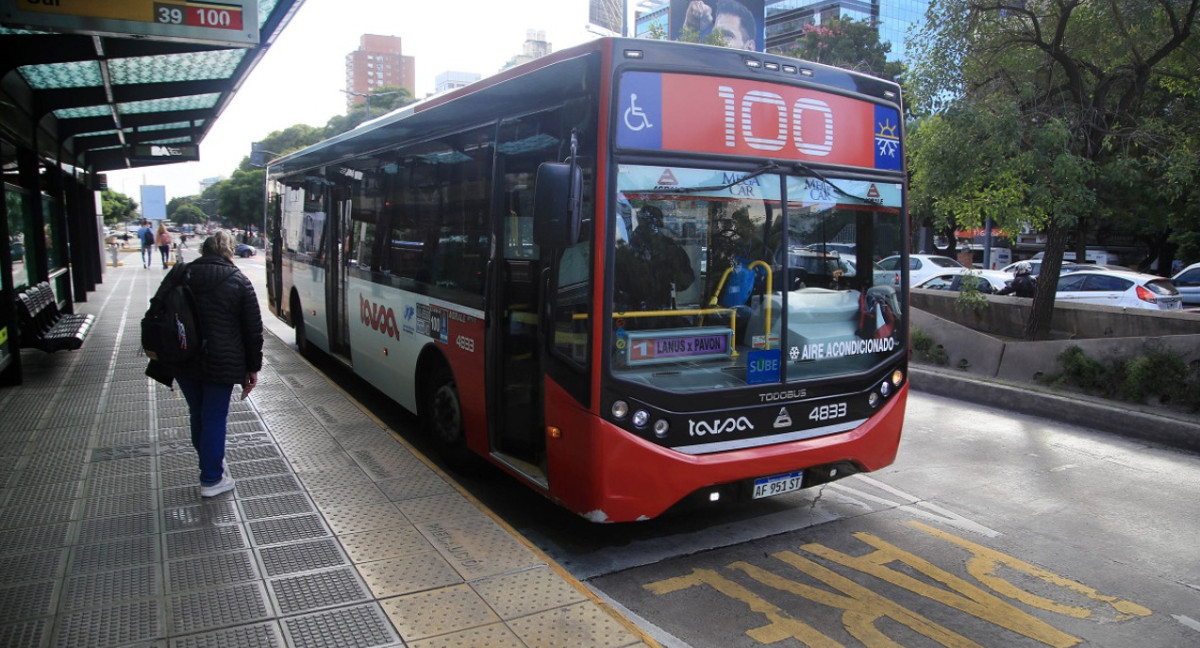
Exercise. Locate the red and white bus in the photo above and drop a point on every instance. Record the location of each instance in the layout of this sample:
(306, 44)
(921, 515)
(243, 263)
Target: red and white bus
(633, 273)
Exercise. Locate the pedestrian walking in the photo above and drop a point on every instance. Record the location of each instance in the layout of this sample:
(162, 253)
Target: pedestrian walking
(231, 339)
(162, 238)
(146, 237)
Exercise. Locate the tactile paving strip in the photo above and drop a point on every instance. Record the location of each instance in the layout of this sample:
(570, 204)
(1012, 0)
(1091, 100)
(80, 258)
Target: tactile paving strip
(581, 624)
(302, 556)
(206, 571)
(114, 554)
(384, 543)
(317, 590)
(27, 634)
(207, 513)
(362, 626)
(205, 540)
(268, 486)
(527, 592)
(356, 495)
(27, 601)
(97, 529)
(437, 612)
(277, 506)
(119, 504)
(39, 565)
(88, 590)
(19, 541)
(258, 635)
(116, 625)
(354, 519)
(216, 608)
(408, 574)
(277, 530)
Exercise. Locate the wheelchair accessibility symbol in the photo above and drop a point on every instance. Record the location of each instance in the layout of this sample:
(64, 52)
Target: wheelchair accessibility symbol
(635, 119)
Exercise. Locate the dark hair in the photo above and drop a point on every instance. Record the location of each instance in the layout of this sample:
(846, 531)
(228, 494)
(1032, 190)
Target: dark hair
(749, 24)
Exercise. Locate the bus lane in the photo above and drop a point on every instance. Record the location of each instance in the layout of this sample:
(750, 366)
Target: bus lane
(886, 581)
(1033, 534)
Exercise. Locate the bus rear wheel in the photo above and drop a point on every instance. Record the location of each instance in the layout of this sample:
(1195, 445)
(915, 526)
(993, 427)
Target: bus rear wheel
(444, 422)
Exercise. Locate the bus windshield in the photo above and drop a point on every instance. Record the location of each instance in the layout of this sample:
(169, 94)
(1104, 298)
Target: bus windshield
(726, 279)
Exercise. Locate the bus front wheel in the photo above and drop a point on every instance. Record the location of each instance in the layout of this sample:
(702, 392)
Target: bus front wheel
(298, 325)
(444, 422)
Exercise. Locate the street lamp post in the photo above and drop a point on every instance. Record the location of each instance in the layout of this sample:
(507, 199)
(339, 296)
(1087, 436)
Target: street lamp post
(367, 96)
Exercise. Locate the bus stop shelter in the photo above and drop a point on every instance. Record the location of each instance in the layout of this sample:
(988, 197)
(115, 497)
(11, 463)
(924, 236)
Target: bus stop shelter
(91, 87)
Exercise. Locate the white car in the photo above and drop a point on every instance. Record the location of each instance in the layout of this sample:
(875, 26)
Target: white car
(921, 266)
(1121, 289)
(987, 281)
(1187, 282)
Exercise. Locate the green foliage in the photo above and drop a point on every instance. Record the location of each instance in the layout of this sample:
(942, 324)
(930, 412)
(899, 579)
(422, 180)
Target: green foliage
(117, 207)
(925, 348)
(188, 214)
(382, 101)
(1070, 117)
(847, 43)
(969, 297)
(1155, 373)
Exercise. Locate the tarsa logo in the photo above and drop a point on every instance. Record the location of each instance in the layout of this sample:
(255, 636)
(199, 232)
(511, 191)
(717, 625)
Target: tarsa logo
(379, 317)
(719, 426)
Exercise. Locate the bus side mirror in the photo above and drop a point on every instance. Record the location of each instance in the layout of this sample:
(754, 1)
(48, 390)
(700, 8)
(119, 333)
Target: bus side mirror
(557, 203)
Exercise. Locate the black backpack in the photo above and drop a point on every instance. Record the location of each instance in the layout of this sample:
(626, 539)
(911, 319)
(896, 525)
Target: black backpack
(171, 326)
(147, 237)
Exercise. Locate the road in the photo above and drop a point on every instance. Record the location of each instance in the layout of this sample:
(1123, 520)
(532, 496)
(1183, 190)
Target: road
(991, 529)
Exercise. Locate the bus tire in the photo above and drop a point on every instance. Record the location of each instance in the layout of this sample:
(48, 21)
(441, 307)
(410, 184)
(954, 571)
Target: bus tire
(444, 422)
(298, 325)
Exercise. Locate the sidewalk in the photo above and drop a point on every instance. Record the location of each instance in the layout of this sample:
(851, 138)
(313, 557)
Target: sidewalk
(337, 534)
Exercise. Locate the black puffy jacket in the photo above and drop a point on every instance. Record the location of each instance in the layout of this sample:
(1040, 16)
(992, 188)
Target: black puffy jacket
(230, 322)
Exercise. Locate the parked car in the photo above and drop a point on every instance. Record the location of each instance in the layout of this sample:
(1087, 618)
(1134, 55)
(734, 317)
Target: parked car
(985, 281)
(1115, 288)
(1067, 267)
(920, 266)
(244, 250)
(1187, 282)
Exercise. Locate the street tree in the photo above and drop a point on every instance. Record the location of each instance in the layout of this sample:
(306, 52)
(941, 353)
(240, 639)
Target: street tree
(1033, 110)
(846, 43)
(382, 101)
(117, 207)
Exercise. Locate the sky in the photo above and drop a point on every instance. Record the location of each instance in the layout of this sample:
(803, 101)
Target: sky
(301, 77)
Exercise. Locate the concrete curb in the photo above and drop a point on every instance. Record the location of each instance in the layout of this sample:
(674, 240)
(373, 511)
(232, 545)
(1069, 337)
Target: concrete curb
(1068, 408)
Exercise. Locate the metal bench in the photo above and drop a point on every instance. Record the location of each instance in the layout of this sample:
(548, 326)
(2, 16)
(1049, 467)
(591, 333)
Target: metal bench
(44, 327)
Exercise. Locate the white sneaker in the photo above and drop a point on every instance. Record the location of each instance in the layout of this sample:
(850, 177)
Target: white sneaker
(226, 484)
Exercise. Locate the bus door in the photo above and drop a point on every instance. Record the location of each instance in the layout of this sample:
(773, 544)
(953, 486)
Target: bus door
(336, 279)
(514, 372)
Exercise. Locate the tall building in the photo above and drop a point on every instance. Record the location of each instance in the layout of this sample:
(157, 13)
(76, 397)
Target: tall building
(378, 63)
(536, 46)
(451, 79)
(785, 19)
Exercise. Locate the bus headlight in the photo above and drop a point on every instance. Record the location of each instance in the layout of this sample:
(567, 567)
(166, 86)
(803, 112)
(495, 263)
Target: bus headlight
(620, 409)
(641, 418)
(873, 399)
(897, 377)
(661, 426)
(885, 388)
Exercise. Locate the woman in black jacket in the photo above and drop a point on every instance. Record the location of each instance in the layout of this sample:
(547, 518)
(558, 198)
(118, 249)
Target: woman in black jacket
(232, 330)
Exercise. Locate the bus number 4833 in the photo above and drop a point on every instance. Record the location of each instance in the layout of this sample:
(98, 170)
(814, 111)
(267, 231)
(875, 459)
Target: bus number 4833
(827, 412)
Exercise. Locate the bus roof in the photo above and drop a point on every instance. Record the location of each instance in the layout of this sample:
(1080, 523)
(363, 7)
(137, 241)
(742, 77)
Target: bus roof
(559, 76)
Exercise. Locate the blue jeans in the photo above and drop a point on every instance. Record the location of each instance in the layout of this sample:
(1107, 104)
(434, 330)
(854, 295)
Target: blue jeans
(208, 405)
(147, 254)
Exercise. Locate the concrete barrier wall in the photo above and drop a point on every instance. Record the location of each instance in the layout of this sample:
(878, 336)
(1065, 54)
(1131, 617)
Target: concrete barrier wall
(1018, 361)
(1005, 317)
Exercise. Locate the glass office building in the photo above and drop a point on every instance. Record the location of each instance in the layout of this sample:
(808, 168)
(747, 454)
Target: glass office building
(786, 19)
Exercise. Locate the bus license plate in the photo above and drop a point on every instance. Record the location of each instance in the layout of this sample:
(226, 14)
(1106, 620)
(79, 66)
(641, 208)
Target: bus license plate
(778, 485)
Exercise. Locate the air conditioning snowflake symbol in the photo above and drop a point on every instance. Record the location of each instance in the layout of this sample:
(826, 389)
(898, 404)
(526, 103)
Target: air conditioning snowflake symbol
(886, 138)
(794, 353)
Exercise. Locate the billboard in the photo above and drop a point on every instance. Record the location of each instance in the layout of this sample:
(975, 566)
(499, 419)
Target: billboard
(741, 22)
(154, 202)
(607, 15)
